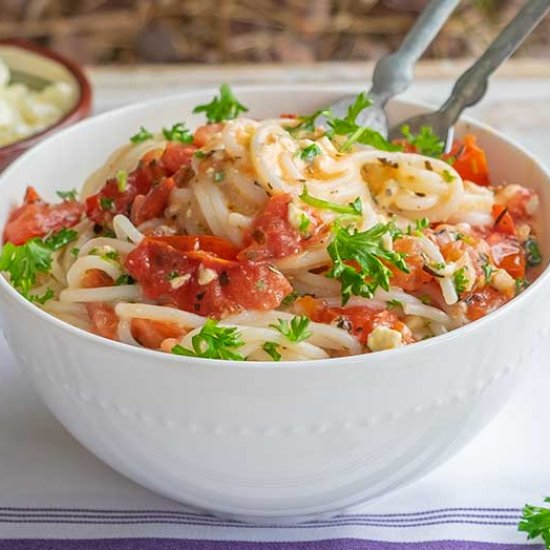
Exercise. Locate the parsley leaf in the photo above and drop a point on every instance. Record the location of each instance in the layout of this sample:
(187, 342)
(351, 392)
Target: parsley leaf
(68, 195)
(354, 208)
(487, 268)
(125, 279)
(310, 152)
(290, 298)
(178, 132)
(214, 342)
(426, 142)
(25, 262)
(106, 203)
(367, 251)
(348, 126)
(532, 252)
(141, 136)
(535, 521)
(305, 222)
(121, 180)
(219, 176)
(307, 122)
(222, 107)
(460, 280)
(295, 331)
(271, 349)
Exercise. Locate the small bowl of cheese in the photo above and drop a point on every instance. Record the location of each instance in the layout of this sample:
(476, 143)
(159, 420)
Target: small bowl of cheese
(40, 92)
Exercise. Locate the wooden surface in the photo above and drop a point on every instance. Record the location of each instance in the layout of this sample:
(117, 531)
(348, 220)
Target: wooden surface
(518, 100)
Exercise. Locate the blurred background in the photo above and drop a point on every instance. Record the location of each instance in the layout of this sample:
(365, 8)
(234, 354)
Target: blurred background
(246, 31)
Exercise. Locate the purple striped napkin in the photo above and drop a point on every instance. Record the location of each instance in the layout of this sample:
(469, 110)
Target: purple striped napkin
(56, 495)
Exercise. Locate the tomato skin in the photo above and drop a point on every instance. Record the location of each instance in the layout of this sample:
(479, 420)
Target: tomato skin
(360, 320)
(154, 203)
(207, 243)
(153, 167)
(504, 223)
(508, 254)
(203, 133)
(417, 277)
(229, 287)
(470, 160)
(94, 278)
(36, 218)
(272, 235)
(485, 301)
(151, 333)
(104, 319)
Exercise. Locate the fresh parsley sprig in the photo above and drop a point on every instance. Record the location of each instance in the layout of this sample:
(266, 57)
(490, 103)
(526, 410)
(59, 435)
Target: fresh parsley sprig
(354, 208)
(141, 136)
(306, 123)
(535, 521)
(460, 280)
(532, 252)
(364, 249)
(426, 142)
(355, 133)
(272, 349)
(67, 195)
(25, 262)
(214, 342)
(297, 330)
(179, 132)
(310, 152)
(222, 107)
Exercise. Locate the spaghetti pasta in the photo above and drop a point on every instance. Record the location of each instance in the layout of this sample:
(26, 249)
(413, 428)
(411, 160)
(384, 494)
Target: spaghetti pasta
(274, 240)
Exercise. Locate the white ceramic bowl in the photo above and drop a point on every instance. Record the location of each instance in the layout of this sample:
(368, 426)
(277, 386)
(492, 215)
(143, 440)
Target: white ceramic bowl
(267, 441)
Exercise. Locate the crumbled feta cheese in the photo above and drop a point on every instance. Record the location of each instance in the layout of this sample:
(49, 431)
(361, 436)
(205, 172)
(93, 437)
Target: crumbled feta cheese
(178, 282)
(24, 111)
(206, 275)
(384, 338)
(502, 281)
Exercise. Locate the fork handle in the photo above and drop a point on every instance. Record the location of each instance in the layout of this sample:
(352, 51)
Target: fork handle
(472, 85)
(393, 74)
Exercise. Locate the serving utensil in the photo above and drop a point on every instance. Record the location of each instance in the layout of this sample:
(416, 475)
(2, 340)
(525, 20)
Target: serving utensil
(472, 85)
(393, 74)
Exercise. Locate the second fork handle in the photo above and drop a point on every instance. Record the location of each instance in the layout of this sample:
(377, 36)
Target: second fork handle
(472, 85)
(393, 74)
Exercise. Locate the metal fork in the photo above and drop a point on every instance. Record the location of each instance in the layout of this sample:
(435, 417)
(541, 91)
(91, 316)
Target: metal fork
(393, 74)
(472, 85)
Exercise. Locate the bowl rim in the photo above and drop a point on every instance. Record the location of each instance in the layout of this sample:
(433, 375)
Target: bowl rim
(81, 108)
(363, 360)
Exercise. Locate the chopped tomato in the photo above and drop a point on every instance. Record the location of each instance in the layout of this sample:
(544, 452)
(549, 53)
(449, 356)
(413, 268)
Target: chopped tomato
(104, 320)
(416, 277)
(37, 218)
(202, 282)
(154, 203)
(203, 133)
(504, 222)
(207, 243)
(113, 199)
(273, 236)
(470, 160)
(483, 302)
(357, 320)
(151, 333)
(508, 254)
(94, 278)
(521, 202)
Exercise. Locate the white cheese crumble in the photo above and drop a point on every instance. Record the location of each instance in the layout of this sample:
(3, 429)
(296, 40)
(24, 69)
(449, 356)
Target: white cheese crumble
(24, 111)
(178, 282)
(384, 338)
(206, 275)
(502, 281)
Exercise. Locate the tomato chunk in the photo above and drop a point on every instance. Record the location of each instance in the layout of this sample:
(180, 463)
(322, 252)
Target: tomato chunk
(417, 277)
(154, 203)
(202, 282)
(94, 278)
(470, 160)
(357, 320)
(273, 236)
(151, 333)
(37, 218)
(114, 199)
(207, 243)
(104, 320)
(508, 254)
(203, 133)
(504, 222)
(483, 302)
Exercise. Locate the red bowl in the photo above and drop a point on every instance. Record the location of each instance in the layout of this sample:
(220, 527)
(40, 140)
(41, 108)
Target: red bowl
(80, 110)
